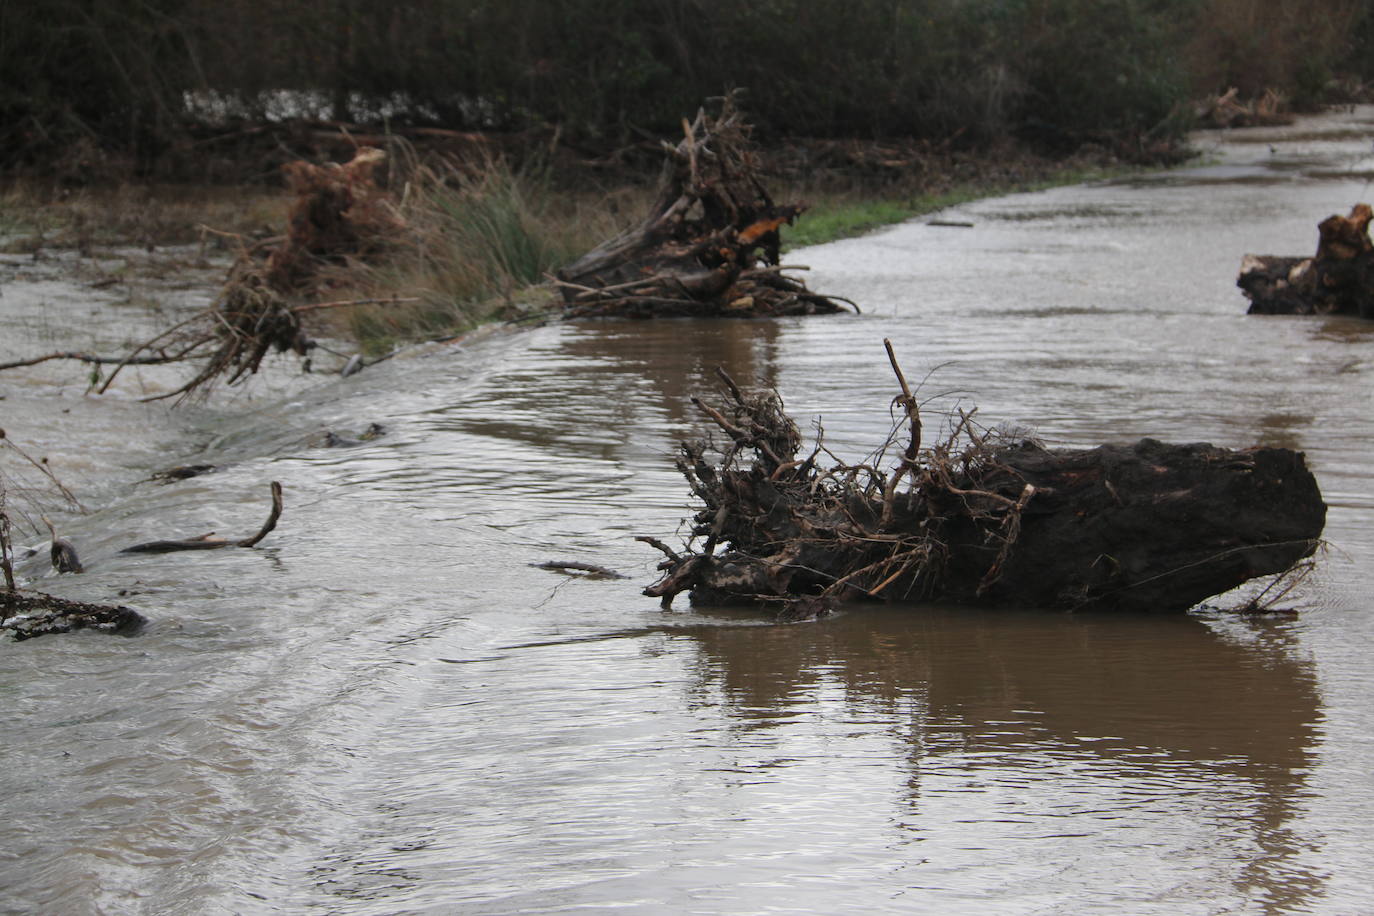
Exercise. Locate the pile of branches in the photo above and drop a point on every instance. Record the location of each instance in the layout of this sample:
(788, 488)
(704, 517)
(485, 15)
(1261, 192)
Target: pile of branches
(709, 245)
(978, 517)
(1337, 280)
(1229, 110)
(339, 217)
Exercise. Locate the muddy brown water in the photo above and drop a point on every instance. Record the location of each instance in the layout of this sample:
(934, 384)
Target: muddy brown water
(384, 708)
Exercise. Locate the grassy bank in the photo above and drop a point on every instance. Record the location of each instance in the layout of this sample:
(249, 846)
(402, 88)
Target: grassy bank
(491, 240)
(846, 214)
(478, 243)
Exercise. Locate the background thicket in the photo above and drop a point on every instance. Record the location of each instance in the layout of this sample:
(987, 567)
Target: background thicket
(146, 79)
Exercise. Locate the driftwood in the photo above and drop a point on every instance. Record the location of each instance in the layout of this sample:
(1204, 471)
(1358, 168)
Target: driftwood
(182, 472)
(1337, 280)
(980, 517)
(339, 216)
(62, 552)
(709, 246)
(28, 614)
(1228, 110)
(580, 570)
(208, 541)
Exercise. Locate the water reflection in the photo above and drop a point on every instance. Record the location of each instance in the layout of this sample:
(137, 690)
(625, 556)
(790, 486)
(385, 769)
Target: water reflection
(679, 358)
(616, 376)
(1027, 723)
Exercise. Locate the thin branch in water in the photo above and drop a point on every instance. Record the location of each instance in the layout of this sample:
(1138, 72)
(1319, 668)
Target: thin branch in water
(47, 472)
(206, 542)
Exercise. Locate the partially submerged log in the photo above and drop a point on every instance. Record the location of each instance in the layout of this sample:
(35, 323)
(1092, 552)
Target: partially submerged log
(981, 518)
(1337, 280)
(209, 541)
(709, 246)
(25, 615)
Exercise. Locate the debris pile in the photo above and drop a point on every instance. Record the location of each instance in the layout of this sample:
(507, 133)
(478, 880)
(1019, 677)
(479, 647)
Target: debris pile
(339, 215)
(709, 246)
(1228, 110)
(26, 615)
(979, 517)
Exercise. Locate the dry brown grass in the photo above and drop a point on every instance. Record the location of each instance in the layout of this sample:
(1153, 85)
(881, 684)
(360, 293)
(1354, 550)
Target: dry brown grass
(482, 243)
(35, 216)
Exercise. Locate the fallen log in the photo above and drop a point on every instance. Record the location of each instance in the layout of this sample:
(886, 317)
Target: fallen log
(709, 246)
(1337, 280)
(980, 517)
(208, 541)
(25, 615)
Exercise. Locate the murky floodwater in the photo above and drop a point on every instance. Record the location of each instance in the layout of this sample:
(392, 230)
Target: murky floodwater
(384, 708)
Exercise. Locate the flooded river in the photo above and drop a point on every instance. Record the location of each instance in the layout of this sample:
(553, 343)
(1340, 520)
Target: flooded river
(386, 708)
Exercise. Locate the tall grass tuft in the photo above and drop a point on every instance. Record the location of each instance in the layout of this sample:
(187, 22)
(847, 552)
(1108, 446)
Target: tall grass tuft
(481, 244)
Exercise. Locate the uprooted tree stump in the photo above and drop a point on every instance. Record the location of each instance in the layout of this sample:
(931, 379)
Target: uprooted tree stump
(339, 213)
(1229, 110)
(709, 246)
(980, 517)
(339, 217)
(1337, 280)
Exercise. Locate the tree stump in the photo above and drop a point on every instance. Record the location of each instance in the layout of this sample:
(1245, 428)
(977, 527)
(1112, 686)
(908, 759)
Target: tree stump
(1337, 280)
(709, 246)
(981, 518)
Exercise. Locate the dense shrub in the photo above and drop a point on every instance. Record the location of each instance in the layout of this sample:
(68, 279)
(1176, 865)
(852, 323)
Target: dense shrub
(127, 77)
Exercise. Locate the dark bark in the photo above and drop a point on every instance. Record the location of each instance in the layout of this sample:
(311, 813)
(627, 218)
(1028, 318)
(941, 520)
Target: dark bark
(1337, 280)
(207, 541)
(30, 614)
(1150, 526)
(709, 246)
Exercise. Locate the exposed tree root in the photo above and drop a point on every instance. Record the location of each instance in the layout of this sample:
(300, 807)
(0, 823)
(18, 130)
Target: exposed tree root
(1338, 279)
(979, 517)
(709, 246)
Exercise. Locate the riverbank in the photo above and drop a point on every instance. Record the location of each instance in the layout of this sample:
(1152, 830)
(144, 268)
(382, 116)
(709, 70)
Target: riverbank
(484, 233)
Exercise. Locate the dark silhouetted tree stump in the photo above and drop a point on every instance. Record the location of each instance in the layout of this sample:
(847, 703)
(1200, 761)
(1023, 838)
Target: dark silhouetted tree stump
(1337, 280)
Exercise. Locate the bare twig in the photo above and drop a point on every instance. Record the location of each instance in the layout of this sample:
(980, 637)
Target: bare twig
(571, 566)
(6, 551)
(43, 468)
